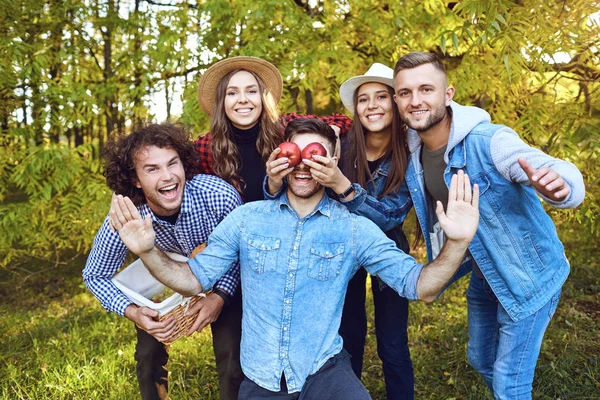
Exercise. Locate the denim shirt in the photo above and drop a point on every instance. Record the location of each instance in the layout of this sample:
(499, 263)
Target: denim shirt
(294, 274)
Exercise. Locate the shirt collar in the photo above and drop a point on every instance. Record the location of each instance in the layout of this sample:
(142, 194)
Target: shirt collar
(324, 206)
(186, 204)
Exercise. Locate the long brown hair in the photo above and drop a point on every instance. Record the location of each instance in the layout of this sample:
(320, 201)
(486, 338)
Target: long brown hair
(227, 160)
(355, 163)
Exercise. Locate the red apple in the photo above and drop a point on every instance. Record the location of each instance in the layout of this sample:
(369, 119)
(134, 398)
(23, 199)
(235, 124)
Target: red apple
(291, 151)
(313, 148)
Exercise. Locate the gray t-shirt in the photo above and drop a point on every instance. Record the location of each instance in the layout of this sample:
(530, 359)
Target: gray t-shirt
(433, 172)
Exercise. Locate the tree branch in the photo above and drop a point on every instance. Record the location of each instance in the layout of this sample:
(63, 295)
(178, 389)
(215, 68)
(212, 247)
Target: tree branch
(156, 3)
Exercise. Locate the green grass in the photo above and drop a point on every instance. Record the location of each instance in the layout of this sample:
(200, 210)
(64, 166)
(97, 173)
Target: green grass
(58, 343)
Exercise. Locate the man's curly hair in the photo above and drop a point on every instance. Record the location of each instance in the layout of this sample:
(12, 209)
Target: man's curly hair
(120, 151)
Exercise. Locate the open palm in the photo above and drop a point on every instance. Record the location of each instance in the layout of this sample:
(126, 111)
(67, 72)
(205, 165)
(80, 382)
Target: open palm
(461, 218)
(136, 233)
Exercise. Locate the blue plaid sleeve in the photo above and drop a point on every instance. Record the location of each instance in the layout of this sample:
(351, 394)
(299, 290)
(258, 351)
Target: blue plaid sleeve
(106, 257)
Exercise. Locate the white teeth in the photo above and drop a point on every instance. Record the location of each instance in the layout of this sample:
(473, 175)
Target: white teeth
(169, 187)
(418, 112)
(374, 117)
(244, 110)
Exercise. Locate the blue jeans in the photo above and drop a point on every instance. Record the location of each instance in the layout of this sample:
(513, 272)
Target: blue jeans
(333, 381)
(504, 352)
(391, 321)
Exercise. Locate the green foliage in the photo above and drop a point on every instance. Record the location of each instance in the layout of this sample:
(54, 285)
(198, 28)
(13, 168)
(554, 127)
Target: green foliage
(73, 71)
(66, 200)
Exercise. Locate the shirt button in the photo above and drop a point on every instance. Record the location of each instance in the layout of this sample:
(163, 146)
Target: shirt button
(291, 275)
(415, 190)
(295, 247)
(287, 302)
(285, 329)
(282, 355)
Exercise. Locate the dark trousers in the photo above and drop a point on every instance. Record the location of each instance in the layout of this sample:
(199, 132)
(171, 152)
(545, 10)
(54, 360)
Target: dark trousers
(151, 356)
(391, 321)
(227, 335)
(335, 380)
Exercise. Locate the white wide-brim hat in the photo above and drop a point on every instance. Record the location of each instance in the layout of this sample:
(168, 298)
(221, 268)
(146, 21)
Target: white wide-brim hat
(207, 87)
(377, 73)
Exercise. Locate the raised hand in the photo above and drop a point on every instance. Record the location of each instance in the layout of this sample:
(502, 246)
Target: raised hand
(136, 233)
(277, 169)
(461, 218)
(326, 172)
(546, 181)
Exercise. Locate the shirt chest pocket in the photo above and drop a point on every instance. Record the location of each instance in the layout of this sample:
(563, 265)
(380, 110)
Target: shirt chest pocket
(262, 253)
(325, 260)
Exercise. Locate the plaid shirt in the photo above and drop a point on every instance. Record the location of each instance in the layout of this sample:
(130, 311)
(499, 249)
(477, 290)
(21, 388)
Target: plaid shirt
(203, 143)
(206, 201)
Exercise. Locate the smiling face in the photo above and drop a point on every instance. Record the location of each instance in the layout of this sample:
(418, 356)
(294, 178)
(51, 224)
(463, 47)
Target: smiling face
(300, 182)
(422, 95)
(243, 101)
(161, 177)
(374, 107)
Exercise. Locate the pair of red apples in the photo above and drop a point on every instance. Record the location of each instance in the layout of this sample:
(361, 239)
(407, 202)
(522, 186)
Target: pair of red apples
(294, 155)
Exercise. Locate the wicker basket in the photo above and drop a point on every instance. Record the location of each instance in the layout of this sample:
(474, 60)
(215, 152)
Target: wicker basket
(183, 322)
(136, 282)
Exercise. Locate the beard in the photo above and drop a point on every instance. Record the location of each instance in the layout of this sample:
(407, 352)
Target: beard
(435, 117)
(305, 193)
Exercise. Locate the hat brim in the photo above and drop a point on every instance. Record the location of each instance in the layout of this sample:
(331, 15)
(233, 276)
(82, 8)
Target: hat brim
(348, 88)
(268, 73)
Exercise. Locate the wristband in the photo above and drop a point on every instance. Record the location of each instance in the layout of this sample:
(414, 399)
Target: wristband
(346, 192)
(226, 298)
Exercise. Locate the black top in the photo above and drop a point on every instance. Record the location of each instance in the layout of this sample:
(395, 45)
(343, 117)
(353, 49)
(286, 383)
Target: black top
(253, 169)
(168, 218)
(373, 165)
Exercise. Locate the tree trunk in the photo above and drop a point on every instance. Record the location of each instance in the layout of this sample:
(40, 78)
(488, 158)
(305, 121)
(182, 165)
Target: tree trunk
(110, 102)
(168, 100)
(55, 73)
(309, 101)
(78, 135)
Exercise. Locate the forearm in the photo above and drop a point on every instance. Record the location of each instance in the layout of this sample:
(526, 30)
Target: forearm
(387, 213)
(506, 148)
(435, 275)
(174, 274)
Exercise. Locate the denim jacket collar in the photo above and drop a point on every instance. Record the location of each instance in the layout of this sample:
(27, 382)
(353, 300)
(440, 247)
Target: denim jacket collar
(383, 168)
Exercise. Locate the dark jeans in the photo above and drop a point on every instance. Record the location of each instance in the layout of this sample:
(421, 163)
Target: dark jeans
(333, 381)
(391, 321)
(151, 356)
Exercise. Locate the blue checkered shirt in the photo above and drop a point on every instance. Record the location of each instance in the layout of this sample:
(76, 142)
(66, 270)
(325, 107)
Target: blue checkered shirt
(206, 201)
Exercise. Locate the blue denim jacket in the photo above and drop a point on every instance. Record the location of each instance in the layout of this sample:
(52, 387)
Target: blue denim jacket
(516, 245)
(294, 274)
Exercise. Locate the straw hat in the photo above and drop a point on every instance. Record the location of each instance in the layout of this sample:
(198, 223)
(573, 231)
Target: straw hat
(268, 73)
(377, 73)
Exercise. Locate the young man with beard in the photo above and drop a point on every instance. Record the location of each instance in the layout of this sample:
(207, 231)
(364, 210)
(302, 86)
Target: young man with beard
(155, 168)
(297, 254)
(517, 260)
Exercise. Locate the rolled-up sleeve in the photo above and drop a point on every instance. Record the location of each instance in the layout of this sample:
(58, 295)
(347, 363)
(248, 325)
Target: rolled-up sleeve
(221, 252)
(380, 257)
